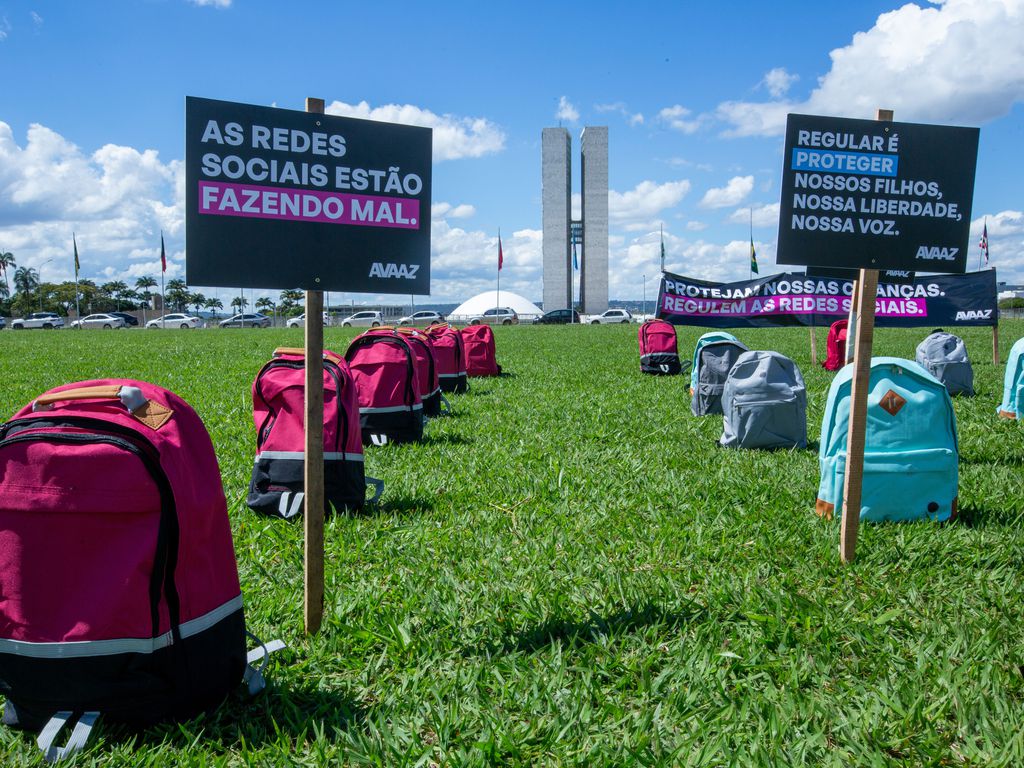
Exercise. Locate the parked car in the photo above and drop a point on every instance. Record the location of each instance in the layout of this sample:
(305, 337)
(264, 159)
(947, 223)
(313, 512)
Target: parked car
(299, 321)
(3, 322)
(99, 320)
(129, 319)
(612, 316)
(559, 317)
(496, 316)
(423, 317)
(366, 318)
(45, 320)
(175, 320)
(246, 320)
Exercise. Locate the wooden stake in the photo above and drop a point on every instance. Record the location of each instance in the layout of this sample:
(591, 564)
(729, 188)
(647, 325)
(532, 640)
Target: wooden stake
(313, 605)
(995, 344)
(862, 323)
(868, 281)
(814, 345)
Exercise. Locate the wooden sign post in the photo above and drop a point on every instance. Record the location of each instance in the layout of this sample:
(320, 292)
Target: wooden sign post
(313, 605)
(995, 344)
(862, 325)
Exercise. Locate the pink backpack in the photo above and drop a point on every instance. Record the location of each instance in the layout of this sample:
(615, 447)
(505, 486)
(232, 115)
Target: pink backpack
(836, 346)
(383, 365)
(481, 356)
(659, 354)
(434, 403)
(278, 399)
(449, 357)
(119, 587)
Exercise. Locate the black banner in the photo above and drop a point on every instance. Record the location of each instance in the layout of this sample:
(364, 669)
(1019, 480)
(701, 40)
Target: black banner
(276, 198)
(876, 195)
(791, 299)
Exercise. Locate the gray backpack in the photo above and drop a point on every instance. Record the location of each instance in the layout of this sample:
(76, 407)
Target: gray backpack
(944, 356)
(764, 403)
(714, 360)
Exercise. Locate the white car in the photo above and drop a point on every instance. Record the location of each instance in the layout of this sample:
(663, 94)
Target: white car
(423, 317)
(611, 316)
(368, 319)
(176, 320)
(299, 321)
(496, 316)
(45, 320)
(101, 320)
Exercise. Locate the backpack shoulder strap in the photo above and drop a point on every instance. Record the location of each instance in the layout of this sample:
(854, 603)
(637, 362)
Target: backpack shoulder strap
(78, 739)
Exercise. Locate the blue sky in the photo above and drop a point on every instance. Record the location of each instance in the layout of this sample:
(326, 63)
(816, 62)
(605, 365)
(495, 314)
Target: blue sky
(694, 95)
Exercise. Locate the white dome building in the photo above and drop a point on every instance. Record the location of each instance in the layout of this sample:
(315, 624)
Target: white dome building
(477, 305)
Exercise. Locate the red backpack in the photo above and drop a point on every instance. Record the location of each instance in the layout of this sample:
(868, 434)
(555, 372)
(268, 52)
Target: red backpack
(479, 350)
(278, 399)
(119, 587)
(659, 354)
(836, 348)
(449, 357)
(434, 403)
(383, 365)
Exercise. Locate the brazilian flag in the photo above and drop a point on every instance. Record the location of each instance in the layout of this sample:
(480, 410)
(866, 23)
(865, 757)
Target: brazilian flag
(753, 257)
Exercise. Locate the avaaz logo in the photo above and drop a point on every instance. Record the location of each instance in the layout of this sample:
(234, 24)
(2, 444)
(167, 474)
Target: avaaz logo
(408, 271)
(936, 253)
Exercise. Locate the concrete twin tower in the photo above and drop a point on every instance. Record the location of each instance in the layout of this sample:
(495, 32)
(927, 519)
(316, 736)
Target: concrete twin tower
(561, 231)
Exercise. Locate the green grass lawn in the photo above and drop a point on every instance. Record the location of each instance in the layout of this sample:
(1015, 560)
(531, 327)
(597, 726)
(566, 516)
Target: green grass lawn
(570, 572)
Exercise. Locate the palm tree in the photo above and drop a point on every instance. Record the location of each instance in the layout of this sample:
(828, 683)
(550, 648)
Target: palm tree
(197, 300)
(214, 305)
(26, 280)
(115, 291)
(6, 261)
(264, 303)
(177, 294)
(240, 303)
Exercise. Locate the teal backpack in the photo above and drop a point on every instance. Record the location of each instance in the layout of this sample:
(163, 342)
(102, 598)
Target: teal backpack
(910, 455)
(707, 338)
(1012, 406)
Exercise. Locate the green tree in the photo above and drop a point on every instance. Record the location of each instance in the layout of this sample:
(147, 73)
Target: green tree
(214, 305)
(176, 294)
(239, 303)
(196, 301)
(290, 299)
(114, 293)
(7, 262)
(264, 304)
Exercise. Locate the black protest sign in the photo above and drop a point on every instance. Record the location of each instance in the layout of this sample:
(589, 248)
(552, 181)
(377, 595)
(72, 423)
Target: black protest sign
(900, 276)
(866, 194)
(793, 299)
(279, 198)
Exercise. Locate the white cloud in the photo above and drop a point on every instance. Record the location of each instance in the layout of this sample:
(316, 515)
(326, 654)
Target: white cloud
(956, 61)
(778, 81)
(36, 18)
(5, 28)
(763, 215)
(633, 118)
(116, 200)
(638, 206)
(1005, 243)
(566, 111)
(696, 226)
(448, 211)
(214, 3)
(733, 193)
(454, 137)
(679, 118)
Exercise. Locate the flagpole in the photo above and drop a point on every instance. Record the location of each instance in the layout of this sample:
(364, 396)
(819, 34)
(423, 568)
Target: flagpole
(78, 310)
(499, 268)
(163, 269)
(750, 267)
